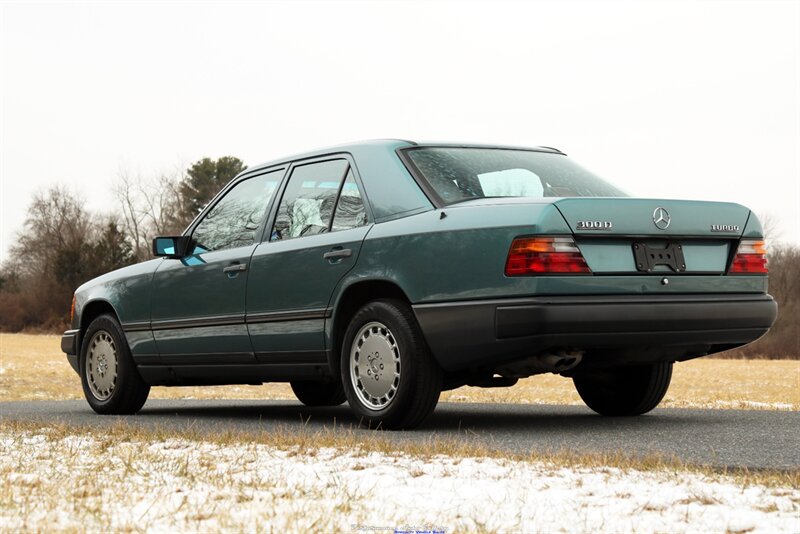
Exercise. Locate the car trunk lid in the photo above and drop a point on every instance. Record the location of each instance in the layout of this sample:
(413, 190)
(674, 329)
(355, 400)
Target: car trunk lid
(624, 235)
(655, 217)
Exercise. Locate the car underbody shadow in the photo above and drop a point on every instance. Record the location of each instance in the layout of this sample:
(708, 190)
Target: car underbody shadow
(448, 417)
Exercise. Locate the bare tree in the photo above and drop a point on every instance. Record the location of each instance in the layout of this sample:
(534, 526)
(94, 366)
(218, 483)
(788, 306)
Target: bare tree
(51, 256)
(149, 207)
(126, 190)
(771, 226)
(56, 222)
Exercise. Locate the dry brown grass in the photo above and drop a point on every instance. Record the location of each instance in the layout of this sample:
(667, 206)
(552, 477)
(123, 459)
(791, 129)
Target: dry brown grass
(32, 367)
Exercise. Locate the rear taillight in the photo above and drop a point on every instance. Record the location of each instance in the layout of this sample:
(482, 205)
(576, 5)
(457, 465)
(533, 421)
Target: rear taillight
(545, 255)
(751, 258)
(72, 310)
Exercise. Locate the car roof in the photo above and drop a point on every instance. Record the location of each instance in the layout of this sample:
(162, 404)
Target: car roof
(381, 145)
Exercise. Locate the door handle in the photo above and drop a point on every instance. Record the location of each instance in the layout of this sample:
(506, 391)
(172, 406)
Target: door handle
(235, 268)
(337, 253)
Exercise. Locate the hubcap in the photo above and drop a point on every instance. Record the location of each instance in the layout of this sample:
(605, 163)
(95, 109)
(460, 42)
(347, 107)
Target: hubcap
(375, 366)
(102, 365)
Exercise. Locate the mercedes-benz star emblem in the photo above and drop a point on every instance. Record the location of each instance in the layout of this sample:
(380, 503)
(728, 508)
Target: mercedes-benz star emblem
(661, 218)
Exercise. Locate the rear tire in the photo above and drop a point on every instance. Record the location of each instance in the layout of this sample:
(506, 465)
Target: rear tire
(319, 393)
(389, 375)
(631, 390)
(111, 383)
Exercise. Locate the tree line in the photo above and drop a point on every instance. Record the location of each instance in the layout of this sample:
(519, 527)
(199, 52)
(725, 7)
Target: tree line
(62, 245)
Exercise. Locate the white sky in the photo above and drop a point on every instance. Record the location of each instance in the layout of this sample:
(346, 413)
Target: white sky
(681, 99)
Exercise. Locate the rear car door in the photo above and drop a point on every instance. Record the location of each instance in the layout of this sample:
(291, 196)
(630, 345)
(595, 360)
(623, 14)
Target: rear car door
(315, 239)
(198, 302)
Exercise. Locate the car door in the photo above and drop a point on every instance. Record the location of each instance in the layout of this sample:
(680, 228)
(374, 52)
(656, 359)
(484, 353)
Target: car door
(198, 302)
(315, 239)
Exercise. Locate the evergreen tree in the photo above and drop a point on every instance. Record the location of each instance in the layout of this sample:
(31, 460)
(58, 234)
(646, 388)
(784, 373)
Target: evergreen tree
(203, 180)
(112, 250)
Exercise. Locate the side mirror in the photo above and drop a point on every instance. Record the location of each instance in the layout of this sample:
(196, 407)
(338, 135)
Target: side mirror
(175, 247)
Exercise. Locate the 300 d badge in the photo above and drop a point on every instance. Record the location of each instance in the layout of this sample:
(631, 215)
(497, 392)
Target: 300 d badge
(594, 225)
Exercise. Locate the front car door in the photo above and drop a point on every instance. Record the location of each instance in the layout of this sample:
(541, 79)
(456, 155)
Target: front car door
(319, 226)
(198, 302)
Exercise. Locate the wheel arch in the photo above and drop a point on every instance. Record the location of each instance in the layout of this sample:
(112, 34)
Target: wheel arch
(350, 299)
(92, 310)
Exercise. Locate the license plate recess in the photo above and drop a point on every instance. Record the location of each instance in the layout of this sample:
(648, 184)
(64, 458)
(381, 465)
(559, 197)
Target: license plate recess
(647, 257)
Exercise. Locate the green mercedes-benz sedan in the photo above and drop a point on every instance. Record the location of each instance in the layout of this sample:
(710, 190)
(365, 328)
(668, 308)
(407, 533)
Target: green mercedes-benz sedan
(381, 273)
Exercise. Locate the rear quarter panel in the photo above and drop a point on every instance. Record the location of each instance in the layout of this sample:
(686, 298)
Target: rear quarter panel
(459, 253)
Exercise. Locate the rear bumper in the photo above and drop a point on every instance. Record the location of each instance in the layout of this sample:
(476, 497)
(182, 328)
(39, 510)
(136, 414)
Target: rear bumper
(480, 334)
(69, 345)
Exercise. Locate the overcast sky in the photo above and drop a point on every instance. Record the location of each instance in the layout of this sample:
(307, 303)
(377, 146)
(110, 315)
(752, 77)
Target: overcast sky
(677, 99)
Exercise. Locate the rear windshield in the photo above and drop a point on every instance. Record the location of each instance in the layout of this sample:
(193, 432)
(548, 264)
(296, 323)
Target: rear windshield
(459, 174)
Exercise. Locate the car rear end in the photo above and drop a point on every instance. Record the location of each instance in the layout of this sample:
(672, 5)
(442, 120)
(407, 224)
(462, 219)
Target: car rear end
(582, 276)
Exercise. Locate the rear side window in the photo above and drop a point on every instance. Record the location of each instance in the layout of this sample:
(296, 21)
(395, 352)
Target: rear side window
(309, 200)
(350, 212)
(234, 220)
(459, 174)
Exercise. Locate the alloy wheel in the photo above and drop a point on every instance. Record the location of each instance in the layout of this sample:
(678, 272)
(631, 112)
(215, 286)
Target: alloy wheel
(375, 365)
(102, 365)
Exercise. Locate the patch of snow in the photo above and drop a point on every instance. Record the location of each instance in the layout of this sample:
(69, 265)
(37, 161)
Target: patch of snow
(201, 486)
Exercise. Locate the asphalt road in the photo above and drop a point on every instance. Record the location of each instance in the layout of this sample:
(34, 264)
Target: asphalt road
(720, 438)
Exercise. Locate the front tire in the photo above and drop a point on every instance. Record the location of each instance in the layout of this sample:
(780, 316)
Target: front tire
(319, 393)
(631, 390)
(111, 383)
(389, 375)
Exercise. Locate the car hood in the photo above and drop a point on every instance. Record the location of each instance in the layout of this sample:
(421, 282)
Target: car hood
(138, 269)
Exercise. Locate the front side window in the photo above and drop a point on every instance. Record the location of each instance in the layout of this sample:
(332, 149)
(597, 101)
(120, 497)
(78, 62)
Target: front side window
(459, 174)
(236, 218)
(309, 200)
